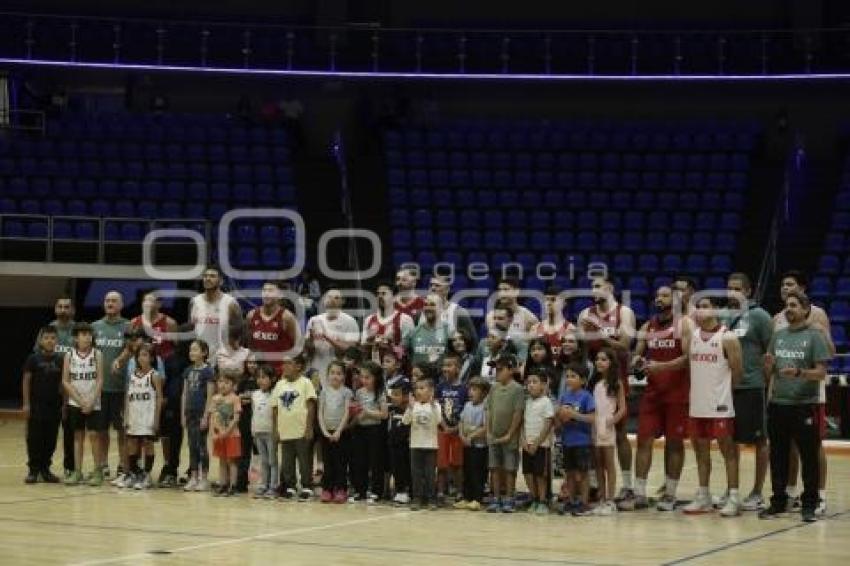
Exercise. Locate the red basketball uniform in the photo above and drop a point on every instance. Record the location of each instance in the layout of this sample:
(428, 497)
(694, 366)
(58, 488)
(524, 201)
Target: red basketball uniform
(555, 336)
(389, 328)
(269, 336)
(609, 324)
(664, 405)
(412, 308)
(162, 347)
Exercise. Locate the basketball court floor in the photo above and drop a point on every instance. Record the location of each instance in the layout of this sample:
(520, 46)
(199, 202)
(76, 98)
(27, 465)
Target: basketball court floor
(54, 524)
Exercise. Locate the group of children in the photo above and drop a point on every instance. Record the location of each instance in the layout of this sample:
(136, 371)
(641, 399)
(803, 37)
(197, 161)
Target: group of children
(377, 434)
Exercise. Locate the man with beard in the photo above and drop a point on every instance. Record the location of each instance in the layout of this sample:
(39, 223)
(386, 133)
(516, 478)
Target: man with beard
(451, 313)
(685, 288)
(714, 355)
(428, 342)
(522, 320)
(795, 363)
(213, 312)
(608, 324)
(796, 282)
(407, 301)
(330, 334)
(754, 329)
(271, 330)
(384, 330)
(660, 353)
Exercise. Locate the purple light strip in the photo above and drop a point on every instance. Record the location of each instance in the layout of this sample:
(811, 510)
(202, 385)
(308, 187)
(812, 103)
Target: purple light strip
(436, 76)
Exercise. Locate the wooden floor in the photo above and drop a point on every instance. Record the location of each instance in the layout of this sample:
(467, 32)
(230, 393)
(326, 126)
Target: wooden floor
(53, 524)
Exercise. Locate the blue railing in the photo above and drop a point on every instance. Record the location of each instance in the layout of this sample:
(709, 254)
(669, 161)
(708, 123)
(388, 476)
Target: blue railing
(435, 53)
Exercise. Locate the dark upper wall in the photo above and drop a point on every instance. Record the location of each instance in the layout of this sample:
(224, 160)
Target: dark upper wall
(473, 13)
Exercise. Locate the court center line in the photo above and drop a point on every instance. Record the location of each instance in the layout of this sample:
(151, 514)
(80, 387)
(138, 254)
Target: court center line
(38, 499)
(290, 532)
(745, 541)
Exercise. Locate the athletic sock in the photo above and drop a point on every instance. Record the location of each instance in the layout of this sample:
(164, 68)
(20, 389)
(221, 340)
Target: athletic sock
(148, 463)
(703, 491)
(670, 487)
(791, 490)
(627, 479)
(733, 494)
(593, 483)
(640, 487)
(822, 494)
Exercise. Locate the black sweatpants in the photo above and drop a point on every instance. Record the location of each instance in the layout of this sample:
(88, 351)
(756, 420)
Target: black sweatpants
(67, 440)
(335, 457)
(173, 430)
(367, 458)
(400, 467)
(42, 433)
(247, 452)
(423, 472)
(801, 424)
(474, 472)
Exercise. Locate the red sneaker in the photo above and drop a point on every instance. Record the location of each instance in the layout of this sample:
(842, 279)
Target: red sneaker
(341, 496)
(327, 496)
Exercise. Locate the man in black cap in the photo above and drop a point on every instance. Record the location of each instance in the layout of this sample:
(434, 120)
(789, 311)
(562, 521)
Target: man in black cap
(504, 406)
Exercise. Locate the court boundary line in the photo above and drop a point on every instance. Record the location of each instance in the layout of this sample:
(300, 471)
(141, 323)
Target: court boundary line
(746, 541)
(228, 541)
(53, 498)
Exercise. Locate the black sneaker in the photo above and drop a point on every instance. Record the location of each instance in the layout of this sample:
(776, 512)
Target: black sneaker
(32, 477)
(49, 477)
(771, 512)
(231, 491)
(809, 516)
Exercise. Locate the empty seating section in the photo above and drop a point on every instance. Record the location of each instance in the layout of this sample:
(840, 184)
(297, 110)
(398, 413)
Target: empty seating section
(830, 287)
(648, 199)
(176, 169)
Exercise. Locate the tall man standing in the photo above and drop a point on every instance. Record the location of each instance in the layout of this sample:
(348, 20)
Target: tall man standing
(213, 312)
(109, 339)
(754, 328)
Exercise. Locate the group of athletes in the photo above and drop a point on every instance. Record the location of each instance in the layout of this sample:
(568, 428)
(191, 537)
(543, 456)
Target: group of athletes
(716, 368)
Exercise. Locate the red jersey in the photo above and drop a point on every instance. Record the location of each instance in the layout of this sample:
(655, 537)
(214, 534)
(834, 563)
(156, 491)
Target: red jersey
(664, 344)
(412, 308)
(162, 347)
(556, 336)
(269, 336)
(391, 329)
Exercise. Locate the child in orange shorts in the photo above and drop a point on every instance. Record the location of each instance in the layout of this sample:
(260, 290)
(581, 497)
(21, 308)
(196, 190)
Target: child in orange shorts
(227, 443)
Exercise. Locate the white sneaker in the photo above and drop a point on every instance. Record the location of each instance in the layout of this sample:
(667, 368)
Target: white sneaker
(700, 505)
(732, 508)
(202, 485)
(605, 509)
(128, 482)
(371, 498)
(119, 479)
(666, 503)
(191, 485)
(753, 502)
(719, 501)
(820, 510)
(401, 498)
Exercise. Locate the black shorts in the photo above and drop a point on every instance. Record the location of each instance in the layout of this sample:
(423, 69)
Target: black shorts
(535, 464)
(112, 409)
(80, 421)
(750, 422)
(576, 458)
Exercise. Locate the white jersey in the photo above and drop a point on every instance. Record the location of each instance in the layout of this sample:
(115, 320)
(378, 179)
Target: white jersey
(448, 316)
(141, 404)
(210, 320)
(341, 327)
(711, 377)
(82, 371)
(780, 322)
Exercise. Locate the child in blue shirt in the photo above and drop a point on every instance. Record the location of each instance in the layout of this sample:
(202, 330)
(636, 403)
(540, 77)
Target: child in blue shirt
(575, 414)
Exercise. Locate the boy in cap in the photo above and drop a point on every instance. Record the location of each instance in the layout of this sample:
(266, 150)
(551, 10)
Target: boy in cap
(504, 409)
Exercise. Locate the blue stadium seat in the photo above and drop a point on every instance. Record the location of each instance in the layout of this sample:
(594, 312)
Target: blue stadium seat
(541, 240)
(609, 242)
(147, 209)
(842, 288)
(14, 229)
(62, 230)
(820, 288)
(131, 232)
(30, 206)
(623, 263)
(672, 263)
(470, 239)
(587, 242)
(696, 264)
(517, 240)
(423, 239)
(839, 311)
(648, 264)
(400, 238)
(447, 239)
(85, 231)
(829, 265)
(37, 229)
(721, 263)
(246, 257)
(272, 257)
(701, 242)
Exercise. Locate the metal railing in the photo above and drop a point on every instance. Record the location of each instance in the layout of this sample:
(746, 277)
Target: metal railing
(407, 52)
(100, 239)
